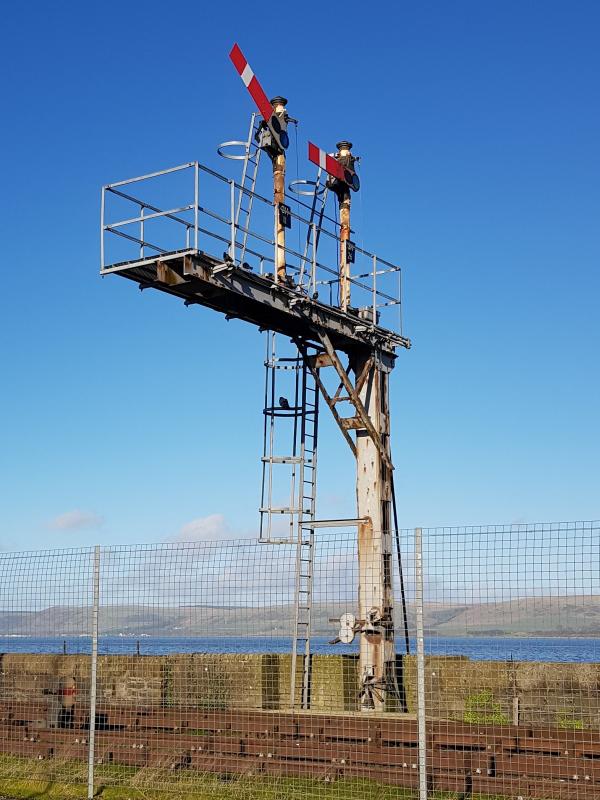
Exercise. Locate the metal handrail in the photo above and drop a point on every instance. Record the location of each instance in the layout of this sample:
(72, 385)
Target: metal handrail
(139, 178)
(381, 299)
(146, 217)
(248, 193)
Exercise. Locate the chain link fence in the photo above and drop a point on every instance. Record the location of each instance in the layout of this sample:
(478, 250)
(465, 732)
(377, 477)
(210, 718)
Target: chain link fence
(163, 671)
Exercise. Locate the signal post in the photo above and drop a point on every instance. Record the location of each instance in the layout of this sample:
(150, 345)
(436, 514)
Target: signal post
(374, 504)
(277, 155)
(369, 394)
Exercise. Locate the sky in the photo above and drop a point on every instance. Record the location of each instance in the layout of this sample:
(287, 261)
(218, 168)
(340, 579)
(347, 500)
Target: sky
(126, 417)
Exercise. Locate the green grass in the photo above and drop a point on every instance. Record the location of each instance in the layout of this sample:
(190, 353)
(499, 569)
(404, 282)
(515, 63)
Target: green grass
(567, 723)
(26, 779)
(482, 708)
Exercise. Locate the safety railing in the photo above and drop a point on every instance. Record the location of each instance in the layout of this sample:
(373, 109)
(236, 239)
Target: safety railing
(192, 208)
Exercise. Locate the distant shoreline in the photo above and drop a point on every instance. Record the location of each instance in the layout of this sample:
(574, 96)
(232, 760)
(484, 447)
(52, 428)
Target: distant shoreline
(520, 647)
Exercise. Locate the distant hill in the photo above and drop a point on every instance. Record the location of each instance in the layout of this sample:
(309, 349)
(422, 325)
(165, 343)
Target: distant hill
(530, 616)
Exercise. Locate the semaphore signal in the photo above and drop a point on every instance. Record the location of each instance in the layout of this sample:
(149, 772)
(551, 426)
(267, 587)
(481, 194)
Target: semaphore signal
(333, 167)
(342, 180)
(276, 123)
(274, 140)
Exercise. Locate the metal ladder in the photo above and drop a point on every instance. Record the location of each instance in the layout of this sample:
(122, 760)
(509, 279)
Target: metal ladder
(311, 244)
(243, 208)
(291, 403)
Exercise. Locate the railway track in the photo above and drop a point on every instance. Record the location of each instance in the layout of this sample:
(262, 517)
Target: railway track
(503, 761)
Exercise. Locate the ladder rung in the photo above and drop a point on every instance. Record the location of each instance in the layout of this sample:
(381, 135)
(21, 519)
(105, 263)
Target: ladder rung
(281, 459)
(279, 510)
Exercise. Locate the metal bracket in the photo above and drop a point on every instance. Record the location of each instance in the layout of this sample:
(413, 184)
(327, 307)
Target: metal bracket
(168, 276)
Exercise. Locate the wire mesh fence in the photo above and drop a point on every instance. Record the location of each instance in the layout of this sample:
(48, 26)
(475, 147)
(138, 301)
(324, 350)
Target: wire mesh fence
(511, 677)
(184, 688)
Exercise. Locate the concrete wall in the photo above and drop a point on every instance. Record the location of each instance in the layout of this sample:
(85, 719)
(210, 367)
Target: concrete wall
(561, 695)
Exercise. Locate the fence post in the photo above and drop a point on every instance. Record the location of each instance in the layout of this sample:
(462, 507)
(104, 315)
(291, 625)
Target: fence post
(420, 664)
(93, 672)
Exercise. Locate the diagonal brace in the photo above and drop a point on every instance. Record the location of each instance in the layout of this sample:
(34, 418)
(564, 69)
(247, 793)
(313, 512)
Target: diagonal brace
(360, 379)
(354, 398)
(330, 402)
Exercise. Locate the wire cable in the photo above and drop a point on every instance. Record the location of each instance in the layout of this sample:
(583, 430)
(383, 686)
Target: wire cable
(400, 570)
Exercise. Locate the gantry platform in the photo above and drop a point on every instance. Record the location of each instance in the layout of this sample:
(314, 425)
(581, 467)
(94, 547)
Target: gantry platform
(198, 278)
(181, 218)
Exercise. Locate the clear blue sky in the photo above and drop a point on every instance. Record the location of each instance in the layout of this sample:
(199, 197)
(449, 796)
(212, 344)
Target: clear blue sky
(125, 417)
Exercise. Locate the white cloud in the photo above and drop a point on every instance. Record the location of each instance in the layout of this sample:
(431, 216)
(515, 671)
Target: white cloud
(212, 528)
(76, 520)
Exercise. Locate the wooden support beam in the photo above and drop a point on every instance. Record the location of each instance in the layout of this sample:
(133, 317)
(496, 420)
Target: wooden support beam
(320, 360)
(353, 423)
(354, 398)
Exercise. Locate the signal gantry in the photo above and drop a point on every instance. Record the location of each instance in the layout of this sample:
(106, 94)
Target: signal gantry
(321, 303)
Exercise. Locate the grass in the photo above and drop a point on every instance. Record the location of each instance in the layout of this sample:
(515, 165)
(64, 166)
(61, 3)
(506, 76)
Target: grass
(567, 723)
(482, 708)
(25, 779)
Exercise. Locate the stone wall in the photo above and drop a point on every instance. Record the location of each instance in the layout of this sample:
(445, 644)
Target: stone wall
(565, 695)
(561, 695)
